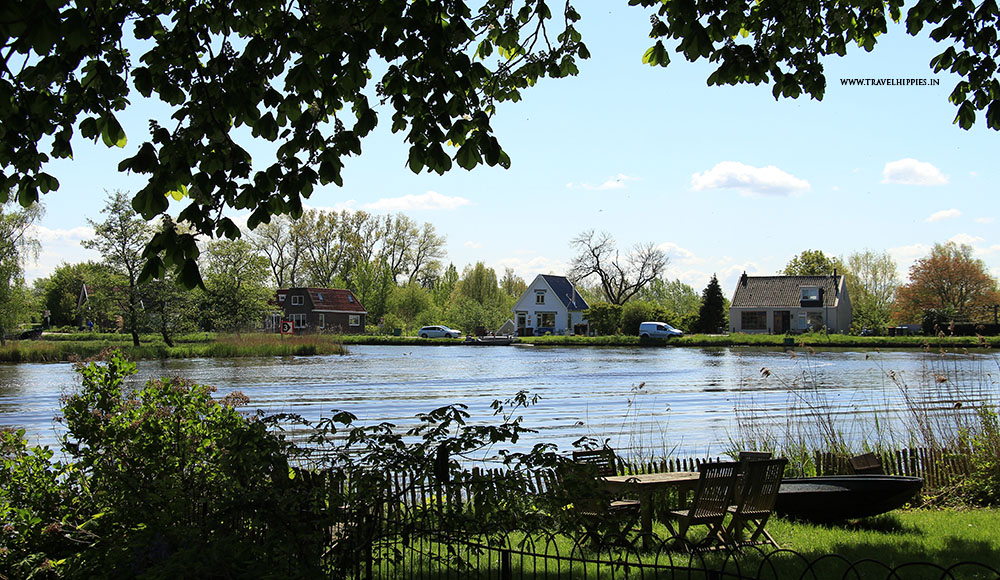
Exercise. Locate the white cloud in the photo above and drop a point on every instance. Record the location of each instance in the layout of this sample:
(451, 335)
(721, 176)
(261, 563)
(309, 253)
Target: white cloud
(985, 220)
(617, 182)
(909, 171)
(59, 247)
(966, 239)
(945, 214)
(473, 245)
(749, 180)
(677, 253)
(529, 267)
(431, 200)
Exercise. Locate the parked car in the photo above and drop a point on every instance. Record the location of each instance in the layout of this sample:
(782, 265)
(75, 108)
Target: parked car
(439, 332)
(658, 330)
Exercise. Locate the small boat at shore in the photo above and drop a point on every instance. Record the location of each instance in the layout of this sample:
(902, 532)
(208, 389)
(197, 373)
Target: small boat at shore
(844, 497)
(489, 340)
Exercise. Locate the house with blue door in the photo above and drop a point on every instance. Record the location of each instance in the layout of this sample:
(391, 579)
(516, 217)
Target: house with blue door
(551, 304)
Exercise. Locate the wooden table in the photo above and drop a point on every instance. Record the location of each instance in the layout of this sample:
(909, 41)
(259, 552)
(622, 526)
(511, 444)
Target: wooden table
(646, 486)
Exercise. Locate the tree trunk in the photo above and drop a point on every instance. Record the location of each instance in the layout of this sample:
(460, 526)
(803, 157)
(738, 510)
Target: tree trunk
(166, 337)
(135, 337)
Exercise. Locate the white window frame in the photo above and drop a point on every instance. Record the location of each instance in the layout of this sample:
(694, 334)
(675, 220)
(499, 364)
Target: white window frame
(810, 294)
(354, 320)
(298, 319)
(540, 298)
(298, 300)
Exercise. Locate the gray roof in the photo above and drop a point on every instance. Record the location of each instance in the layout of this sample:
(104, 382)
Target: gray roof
(783, 291)
(566, 292)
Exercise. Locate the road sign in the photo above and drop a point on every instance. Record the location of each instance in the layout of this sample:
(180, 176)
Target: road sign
(287, 327)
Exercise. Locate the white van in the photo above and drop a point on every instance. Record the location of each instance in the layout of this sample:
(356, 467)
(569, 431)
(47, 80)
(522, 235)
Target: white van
(658, 330)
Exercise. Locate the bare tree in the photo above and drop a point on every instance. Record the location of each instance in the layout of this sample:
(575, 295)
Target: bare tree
(620, 277)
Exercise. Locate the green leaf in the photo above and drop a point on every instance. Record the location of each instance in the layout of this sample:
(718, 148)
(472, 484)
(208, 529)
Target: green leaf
(113, 134)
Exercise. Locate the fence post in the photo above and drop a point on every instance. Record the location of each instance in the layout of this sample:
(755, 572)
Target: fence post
(505, 571)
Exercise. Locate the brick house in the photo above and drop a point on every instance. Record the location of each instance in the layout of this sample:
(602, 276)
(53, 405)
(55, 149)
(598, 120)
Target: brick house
(790, 304)
(319, 310)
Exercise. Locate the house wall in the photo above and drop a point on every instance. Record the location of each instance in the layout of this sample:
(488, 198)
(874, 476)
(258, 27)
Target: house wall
(836, 320)
(527, 304)
(319, 321)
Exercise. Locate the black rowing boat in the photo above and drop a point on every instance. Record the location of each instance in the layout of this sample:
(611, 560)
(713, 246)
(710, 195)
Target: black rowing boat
(844, 497)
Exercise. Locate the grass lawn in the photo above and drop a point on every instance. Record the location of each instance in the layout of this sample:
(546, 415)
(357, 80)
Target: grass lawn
(944, 537)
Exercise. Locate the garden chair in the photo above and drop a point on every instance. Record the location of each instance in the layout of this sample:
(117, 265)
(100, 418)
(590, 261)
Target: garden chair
(758, 492)
(866, 463)
(600, 513)
(712, 497)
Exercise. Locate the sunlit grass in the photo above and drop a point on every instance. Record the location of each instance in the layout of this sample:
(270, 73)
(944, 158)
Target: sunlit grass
(186, 346)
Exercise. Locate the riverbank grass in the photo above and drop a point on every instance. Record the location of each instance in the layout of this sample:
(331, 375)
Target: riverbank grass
(200, 345)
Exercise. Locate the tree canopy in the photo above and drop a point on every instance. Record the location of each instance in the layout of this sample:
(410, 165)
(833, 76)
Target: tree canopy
(814, 263)
(950, 281)
(300, 75)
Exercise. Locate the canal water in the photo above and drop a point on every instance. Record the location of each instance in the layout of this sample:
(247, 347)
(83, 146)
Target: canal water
(654, 401)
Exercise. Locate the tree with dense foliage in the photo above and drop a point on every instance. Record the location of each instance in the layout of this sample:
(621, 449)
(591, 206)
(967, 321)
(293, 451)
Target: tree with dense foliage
(62, 294)
(236, 292)
(679, 300)
(872, 285)
(604, 318)
(714, 313)
(635, 312)
(512, 284)
(620, 277)
(814, 263)
(16, 245)
(949, 281)
(120, 239)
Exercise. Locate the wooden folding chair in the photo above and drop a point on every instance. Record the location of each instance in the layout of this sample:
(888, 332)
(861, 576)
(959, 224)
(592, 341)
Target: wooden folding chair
(758, 492)
(712, 497)
(601, 514)
(866, 463)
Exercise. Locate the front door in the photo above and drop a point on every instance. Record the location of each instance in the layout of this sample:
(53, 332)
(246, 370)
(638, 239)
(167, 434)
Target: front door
(782, 321)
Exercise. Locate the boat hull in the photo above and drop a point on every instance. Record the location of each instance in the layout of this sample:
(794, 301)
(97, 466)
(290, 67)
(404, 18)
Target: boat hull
(844, 497)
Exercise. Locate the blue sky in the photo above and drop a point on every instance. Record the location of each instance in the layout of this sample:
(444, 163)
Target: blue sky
(724, 179)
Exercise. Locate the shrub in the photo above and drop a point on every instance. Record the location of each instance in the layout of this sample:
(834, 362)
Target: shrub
(982, 487)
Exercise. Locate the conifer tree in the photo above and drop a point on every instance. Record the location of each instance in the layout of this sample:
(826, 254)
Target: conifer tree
(712, 314)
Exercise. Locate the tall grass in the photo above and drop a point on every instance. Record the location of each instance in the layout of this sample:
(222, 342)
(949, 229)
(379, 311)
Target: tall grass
(942, 408)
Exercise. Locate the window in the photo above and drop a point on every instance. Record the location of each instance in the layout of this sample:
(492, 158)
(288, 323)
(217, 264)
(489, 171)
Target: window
(753, 320)
(281, 297)
(354, 320)
(299, 320)
(810, 294)
(540, 298)
(297, 301)
(319, 297)
(546, 319)
(814, 320)
(350, 298)
(322, 320)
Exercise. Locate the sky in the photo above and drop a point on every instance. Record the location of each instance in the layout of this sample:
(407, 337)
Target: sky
(725, 180)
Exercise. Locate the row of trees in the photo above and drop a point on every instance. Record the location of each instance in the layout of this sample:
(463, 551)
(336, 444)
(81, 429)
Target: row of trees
(395, 267)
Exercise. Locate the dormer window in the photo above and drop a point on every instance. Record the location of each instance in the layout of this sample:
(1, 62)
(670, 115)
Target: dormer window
(350, 298)
(319, 297)
(297, 301)
(281, 297)
(810, 294)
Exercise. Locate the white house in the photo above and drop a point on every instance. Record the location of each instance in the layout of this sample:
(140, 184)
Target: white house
(782, 304)
(550, 304)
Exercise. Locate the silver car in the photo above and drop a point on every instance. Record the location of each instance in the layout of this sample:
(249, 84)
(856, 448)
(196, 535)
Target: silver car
(439, 332)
